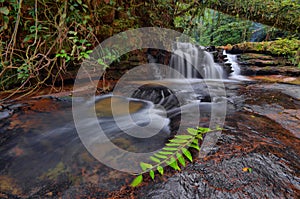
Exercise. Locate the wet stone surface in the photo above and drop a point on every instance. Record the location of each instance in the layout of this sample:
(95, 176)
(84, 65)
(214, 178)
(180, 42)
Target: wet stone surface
(273, 158)
(250, 139)
(257, 155)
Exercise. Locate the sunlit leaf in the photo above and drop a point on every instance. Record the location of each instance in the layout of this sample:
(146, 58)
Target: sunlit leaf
(203, 130)
(192, 131)
(160, 156)
(160, 170)
(4, 10)
(195, 146)
(200, 137)
(187, 154)
(137, 181)
(170, 149)
(173, 144)
(154, 159)
(145, 166)
(165, 152)
(173, 163)
(180, 141)
(151, 173)
(180, 159)
(195, 141)
(185, 137)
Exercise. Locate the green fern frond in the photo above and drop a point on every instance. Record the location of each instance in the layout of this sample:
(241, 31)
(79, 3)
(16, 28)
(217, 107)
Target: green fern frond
(173, 153)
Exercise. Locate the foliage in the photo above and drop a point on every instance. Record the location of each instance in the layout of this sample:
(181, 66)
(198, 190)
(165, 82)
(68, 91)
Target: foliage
(214, 28)
(42, 41)
(283, 14)
(38, 40)
(287, 47)
(210, 27)
(173, 154)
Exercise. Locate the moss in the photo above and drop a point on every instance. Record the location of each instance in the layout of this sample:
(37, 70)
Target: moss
(8, 184)
(54, 173)
(287, 48)
(278, 79)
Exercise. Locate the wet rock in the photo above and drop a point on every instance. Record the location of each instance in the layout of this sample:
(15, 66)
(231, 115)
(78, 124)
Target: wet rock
(268, 70)
(252, 138)
(5, 114)
(261, 64)
(158, 94)
(226, 179)
(273, 162)
(16, 106)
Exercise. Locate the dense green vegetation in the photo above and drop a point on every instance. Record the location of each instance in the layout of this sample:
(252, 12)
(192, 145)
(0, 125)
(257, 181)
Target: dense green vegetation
(43, 42)
(283, 14)
(288, 48)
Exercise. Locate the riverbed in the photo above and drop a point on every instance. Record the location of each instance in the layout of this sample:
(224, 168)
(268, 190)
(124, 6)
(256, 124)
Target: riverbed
(256, 156)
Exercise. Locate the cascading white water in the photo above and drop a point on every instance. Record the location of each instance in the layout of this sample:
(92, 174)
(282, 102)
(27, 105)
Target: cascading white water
(211, 69)
(236, 68)
(194, 62)
(236, 74)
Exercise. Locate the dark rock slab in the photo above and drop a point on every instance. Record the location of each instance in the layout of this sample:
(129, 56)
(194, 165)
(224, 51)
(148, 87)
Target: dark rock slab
(274, 163)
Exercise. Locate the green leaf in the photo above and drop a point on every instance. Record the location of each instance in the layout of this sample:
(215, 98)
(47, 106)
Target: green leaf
(179, 141)
(151, 173)
(200, 137)
(192, 131)
(145, 166)
(165, 152)
(160, 156)
(195, 141)
(173, 144)
(137, 181)
(154, 159)
(180, 159)
(203, 130)
(185, 137)
(86, 56)
(187, 154)
(4, 10)
(173, 163)
(169, 149)
(160, 170)
(195, 146)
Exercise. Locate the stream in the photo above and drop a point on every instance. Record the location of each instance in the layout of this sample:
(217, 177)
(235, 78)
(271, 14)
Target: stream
(256, 156)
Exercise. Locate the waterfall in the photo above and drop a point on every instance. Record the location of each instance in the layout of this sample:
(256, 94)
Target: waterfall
(235, 67)
(211, 69)
(236, 74)
(193, 61)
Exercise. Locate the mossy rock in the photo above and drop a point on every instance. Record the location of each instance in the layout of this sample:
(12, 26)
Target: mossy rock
(8, 185)
(54, 173)
(106, 13)
(247, 56)
(105, 31)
